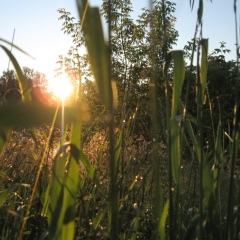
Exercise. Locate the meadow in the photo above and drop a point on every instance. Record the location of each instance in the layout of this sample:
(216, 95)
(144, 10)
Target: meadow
(152, 158)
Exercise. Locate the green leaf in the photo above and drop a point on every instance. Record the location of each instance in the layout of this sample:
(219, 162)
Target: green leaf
(57, 208)
(200, 11)
(178, 79)
(178, 76)
(21, 79)
(7, 193)
(207, 181)
(29, 115)
(18, 48)
(98, 218)
(217, 157)
(90, 170)
(162, 222)
(204, 61)
(63, 193)
(175, 149)
(98, 50)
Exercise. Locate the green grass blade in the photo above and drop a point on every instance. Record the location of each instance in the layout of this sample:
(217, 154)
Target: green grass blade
(90, 171)
(18, 48)
(98, 218)
(207, 182)
(28, 115)
(98, 50)
(21, 79)
(204, 60)
(217, 157)
(175, 149)
(4, 133)
(71, 185)
(56, 211)
(200, 11)
(178, 79)
(6, 193)
(162, 222)
(63, 193)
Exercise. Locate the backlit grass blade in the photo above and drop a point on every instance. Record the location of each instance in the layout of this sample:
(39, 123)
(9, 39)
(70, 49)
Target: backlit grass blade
(63, 188)
(28, 115)
(178, 79)
(98, 50)
(56, 210)
(100, 55)
(90, 171)
(18, 48)
(23, 87)
(175, 149)
(21, 79)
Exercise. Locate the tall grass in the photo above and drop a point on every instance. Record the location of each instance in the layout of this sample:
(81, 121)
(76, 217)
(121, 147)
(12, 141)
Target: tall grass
(84, 192)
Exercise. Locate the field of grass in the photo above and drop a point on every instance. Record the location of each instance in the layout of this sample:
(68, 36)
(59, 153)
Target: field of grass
(88, 182)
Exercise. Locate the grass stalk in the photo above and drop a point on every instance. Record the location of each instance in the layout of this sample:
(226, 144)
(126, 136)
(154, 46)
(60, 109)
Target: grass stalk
(168, 137)
(38, 176)
(235, 145)
(112, 159)
(157, 198)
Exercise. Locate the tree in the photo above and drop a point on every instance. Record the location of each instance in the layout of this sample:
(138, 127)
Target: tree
(76, 63)
(222, 82)
(37, 83)
(132, 45)
(222, 85)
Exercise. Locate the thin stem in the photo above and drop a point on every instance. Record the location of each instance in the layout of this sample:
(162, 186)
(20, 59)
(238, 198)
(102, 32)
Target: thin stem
(112, 161)
(38, 175)
(229, 222)
(200, 137)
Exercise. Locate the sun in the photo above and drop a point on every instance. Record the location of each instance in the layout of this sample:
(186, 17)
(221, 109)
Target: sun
(60, 87)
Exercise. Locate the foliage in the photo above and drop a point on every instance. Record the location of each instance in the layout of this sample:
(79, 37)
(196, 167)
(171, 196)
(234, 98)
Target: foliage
(139, 166)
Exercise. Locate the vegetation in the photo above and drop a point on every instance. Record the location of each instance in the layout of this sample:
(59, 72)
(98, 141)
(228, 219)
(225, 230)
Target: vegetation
(148, 150)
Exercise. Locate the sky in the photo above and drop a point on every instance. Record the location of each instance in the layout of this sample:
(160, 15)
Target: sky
(38, 30)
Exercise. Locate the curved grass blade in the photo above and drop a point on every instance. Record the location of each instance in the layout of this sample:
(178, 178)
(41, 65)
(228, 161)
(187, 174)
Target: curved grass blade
(162, 222)
(175, 149)
(90, 171)
(27, 115)
(63, 190)
(18, 48)
(6, 193)
(98, 50)
(21, 79)
(178, 79)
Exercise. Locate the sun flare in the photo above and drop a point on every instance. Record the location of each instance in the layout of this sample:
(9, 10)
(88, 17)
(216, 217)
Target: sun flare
(60, 87)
